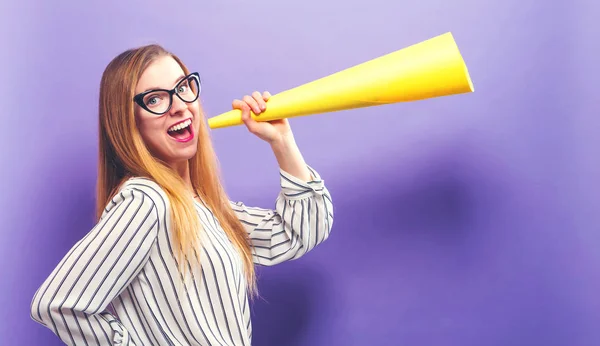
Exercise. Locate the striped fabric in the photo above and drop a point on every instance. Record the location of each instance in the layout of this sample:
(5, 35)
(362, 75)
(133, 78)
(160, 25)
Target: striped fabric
(119, 285)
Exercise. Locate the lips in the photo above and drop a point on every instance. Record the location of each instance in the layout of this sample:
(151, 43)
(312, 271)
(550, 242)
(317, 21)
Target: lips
(181, 131)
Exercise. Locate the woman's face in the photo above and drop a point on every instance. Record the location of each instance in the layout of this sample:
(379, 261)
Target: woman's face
(172, 136)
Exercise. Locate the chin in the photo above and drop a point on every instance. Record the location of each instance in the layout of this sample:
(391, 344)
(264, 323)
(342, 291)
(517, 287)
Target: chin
(177, 157)
(185, 155)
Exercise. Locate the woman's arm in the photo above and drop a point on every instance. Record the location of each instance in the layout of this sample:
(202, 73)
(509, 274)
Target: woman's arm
(290, 158)
(301, 220)
(303, 213)
(72, 301)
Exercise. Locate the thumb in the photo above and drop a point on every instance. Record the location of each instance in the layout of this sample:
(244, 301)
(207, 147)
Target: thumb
(250, 123)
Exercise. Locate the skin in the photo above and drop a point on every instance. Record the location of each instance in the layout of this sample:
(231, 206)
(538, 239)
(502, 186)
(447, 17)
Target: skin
(164, 73)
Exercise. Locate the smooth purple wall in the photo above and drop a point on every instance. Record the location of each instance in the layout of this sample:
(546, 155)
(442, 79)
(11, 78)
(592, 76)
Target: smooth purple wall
(465, 220)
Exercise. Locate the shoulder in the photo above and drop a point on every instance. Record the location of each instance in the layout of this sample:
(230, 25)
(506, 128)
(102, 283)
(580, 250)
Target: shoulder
(147, 187)
(141, 192)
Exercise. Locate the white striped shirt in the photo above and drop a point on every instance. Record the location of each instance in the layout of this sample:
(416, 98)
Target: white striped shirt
(119, 285)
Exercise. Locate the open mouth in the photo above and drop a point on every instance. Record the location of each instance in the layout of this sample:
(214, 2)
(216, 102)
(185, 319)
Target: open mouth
(181, 132)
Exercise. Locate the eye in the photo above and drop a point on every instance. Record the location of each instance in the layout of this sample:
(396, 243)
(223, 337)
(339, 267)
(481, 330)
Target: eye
(184, 87)
(153, 100)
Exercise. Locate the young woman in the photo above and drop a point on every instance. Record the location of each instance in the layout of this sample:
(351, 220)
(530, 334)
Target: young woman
(171, 258)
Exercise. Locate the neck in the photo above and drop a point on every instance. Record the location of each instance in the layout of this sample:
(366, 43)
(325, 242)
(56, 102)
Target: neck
(183, 169)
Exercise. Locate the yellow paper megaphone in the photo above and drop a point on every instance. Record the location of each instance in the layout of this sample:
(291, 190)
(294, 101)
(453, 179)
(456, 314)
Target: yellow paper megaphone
(428, 69)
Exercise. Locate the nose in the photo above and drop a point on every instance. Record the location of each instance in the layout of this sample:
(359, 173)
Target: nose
(178, 106)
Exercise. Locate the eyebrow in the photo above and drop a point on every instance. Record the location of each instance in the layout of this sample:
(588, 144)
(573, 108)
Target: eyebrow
(176, 81)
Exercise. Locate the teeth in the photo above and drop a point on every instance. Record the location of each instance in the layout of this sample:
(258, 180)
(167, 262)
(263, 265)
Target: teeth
(178, 127)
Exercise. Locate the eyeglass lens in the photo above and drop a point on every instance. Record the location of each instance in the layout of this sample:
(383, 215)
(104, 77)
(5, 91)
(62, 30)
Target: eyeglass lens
(160, 101)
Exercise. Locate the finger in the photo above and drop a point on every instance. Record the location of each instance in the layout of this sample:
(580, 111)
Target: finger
(252, 103)
(252, 125)
(266, 96)
(243, 106)
(259, 99)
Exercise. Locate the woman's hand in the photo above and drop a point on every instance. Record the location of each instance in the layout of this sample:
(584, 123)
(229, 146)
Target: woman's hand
(273, 131)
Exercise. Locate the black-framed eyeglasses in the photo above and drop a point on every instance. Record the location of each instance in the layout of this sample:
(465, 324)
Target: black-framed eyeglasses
(159, 101)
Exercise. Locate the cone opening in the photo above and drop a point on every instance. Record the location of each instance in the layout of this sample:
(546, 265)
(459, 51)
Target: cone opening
(464, 65)
(468, 77)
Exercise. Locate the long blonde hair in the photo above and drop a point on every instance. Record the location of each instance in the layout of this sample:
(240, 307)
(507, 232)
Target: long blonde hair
(123, 154)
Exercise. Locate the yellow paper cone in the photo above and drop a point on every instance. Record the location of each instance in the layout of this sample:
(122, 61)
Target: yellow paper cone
(428, 69)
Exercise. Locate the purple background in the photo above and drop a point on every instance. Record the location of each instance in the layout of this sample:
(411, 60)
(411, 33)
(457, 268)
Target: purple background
(465, 220)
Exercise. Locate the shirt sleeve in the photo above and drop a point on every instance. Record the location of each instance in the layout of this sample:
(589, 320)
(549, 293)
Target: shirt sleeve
(301, 220)
(73, 300)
